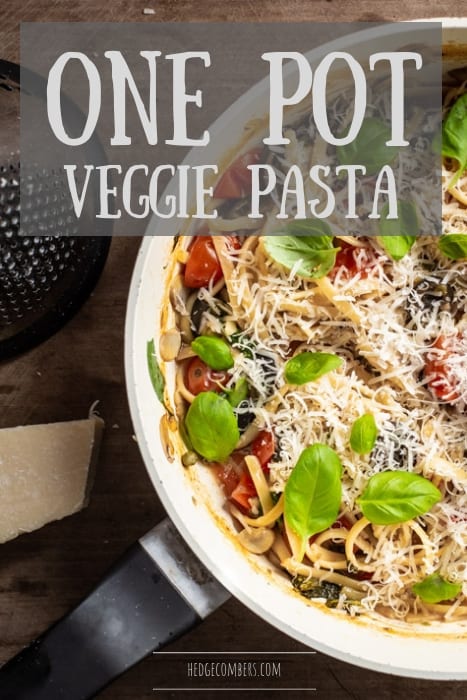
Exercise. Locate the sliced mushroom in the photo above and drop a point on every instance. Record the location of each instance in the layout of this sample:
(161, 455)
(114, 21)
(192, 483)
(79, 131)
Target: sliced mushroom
(256, 540)
(186, 353)
(169, 344)
(178, 294)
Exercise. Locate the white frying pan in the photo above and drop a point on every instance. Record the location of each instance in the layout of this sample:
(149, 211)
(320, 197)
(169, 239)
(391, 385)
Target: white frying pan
(160, 589)
(191, 501)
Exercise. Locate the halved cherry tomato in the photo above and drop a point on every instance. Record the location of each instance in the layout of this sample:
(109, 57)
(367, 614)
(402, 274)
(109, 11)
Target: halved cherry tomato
(263, 447)
(199, 377)
(441, 380)
(244, 490)
(354, 261)
(203, 265)
(236, 481)
(228, 474)
(236, 181)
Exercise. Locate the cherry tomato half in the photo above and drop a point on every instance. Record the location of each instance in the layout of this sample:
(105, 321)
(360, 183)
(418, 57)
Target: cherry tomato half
(228, 474)
(199, 377)
(236, 181)
(236, 481)
(244, 490)
(441, 380)
(263, 447)
(354, 261)
(203, 265)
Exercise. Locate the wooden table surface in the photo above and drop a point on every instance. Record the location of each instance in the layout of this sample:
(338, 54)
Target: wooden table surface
(44, 573)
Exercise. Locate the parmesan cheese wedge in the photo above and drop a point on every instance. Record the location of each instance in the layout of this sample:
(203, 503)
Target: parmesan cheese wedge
(45, 472)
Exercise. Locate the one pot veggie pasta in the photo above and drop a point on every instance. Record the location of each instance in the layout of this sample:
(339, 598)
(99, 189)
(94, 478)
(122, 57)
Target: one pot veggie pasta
(322, 377)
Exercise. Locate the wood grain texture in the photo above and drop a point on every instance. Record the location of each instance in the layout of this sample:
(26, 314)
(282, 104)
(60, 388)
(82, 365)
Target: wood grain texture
(44, 573)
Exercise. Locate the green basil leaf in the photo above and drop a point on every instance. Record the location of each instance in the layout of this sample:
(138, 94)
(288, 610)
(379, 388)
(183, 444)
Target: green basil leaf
(435, 589)
(369, 147)
(454, 245)
(363, 434)
(157, 378)
(310, 245)
(398, 235)
(313, 492)
(394, 497)
(238, 394)
(215, 352)
(308, 366)
(212, 426)
(454, 136)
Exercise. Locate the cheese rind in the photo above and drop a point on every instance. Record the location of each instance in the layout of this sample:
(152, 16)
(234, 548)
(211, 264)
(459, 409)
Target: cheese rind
(45, 472)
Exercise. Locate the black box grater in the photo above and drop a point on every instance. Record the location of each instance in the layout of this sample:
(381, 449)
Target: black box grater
(44, 277)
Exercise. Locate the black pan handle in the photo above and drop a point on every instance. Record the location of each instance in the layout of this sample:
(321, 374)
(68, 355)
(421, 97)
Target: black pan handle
(139, 607)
